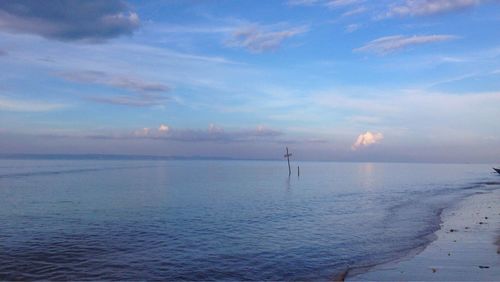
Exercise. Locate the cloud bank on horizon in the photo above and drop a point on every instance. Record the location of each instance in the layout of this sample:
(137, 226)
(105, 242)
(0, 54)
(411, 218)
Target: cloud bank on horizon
(244, 78)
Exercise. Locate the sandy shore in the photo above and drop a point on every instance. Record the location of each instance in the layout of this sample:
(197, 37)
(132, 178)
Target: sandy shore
(467, 247)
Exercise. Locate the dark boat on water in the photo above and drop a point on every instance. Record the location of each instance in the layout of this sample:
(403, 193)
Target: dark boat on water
(497, 169)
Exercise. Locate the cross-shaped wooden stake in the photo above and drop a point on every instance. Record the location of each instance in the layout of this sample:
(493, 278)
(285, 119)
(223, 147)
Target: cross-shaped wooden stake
(287, 156)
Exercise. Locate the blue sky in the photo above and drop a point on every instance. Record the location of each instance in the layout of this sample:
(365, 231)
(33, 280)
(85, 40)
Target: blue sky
(345, 80)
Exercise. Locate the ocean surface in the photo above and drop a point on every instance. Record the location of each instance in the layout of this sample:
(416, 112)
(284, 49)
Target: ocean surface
(218, 220)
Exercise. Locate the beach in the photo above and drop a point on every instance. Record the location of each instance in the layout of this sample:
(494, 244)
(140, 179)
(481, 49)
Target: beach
(466, 247)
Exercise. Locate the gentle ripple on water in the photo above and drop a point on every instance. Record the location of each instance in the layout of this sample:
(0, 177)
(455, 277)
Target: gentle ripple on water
(216, 220)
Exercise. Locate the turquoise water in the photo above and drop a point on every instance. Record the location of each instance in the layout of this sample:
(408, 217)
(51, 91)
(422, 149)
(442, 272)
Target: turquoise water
(217, 220)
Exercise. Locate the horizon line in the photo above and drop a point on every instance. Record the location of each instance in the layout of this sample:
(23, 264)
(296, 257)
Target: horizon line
(94, 156)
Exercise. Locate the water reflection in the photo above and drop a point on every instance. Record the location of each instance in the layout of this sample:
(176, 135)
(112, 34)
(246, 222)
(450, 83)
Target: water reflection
(215, 220)
(367, 175)
(287, 183)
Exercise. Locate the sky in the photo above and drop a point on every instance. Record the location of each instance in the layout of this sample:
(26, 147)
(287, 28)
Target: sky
(340, 80)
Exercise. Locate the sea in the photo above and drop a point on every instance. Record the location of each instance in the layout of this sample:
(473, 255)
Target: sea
(136, 219)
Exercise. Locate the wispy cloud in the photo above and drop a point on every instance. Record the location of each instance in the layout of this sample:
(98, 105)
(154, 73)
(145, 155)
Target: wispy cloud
(367, 139)
(67, 20)
(389, 44)
(132, 101)
(118, 81)
(453, 79)
(416, 114)
(16, 105)
(327, 3)
(355, 11)
(302, 2)
(259, 39)
(145, 94)
(3, 53)
(340, 3)
(120, 73)
(352, 27)
(429, 7)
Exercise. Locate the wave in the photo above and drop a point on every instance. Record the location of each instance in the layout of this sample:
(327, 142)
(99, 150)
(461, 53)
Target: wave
(429, 235)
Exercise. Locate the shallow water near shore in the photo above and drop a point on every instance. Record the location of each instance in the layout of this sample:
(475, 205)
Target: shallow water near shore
(464, 249)
(217, 220)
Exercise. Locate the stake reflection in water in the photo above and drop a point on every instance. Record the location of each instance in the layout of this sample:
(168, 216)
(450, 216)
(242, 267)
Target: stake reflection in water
(287, 156)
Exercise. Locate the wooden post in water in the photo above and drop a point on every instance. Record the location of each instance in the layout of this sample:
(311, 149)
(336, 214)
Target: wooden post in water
(287, 156)
(298, 170)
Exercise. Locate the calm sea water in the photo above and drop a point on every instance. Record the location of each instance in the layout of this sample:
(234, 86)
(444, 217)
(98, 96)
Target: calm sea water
(217, 220)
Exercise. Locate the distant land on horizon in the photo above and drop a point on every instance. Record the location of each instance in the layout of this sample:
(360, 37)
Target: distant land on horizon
(108, 157)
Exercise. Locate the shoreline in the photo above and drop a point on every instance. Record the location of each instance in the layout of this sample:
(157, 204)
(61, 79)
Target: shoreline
(466, 246)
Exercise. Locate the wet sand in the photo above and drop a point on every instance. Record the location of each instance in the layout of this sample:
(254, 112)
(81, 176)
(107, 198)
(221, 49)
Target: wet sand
(467, 247)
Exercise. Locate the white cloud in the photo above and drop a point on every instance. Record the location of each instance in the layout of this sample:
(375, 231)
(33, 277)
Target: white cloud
(429, 7)
(163, 128)
(389, 44)
(367, 139)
